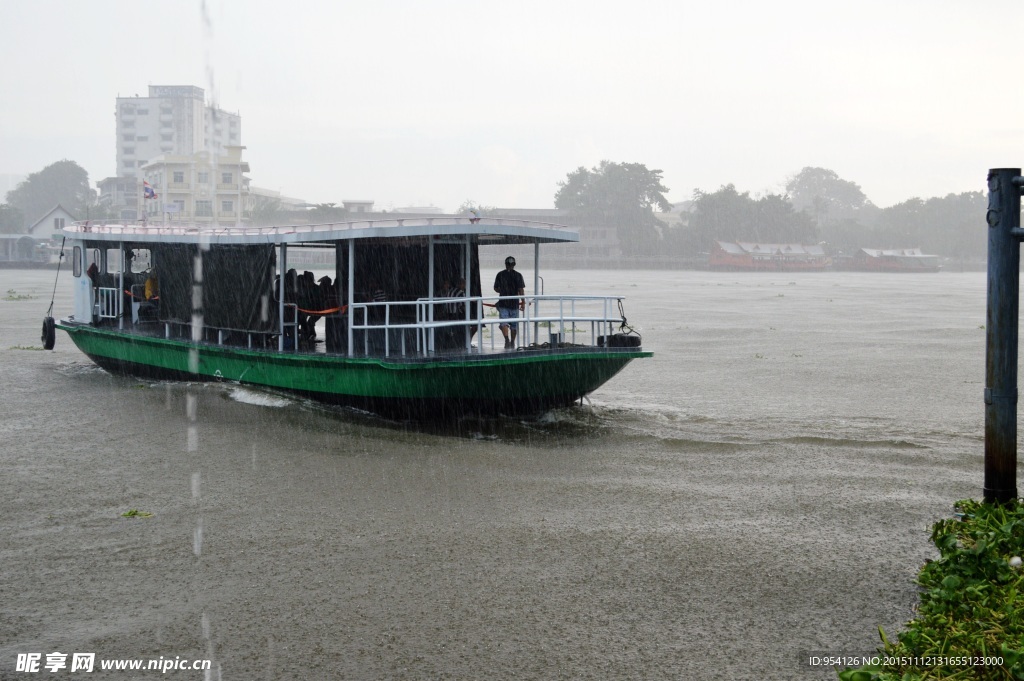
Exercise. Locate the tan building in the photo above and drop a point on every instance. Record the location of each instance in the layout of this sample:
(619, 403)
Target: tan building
(198, 188)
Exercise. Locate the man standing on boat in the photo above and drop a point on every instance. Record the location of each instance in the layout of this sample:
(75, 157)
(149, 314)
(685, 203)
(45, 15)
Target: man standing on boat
(510, 283)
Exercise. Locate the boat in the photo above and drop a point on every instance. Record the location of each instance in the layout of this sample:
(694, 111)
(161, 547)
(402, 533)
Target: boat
(893, 260)
(225, 305)
(762, 257)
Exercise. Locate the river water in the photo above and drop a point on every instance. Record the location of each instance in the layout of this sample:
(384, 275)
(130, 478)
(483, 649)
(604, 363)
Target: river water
(760, 490)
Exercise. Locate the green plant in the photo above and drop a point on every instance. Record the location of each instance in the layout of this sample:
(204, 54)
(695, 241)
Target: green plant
(14, 295)
(970, 623)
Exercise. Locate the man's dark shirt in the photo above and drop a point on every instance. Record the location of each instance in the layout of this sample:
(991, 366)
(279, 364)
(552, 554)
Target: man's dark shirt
(509, 283)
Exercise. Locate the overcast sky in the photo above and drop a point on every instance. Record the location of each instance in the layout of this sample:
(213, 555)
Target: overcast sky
(435, 103)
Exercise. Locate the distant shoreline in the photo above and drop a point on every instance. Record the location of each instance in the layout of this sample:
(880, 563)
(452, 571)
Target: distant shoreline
(9, 265)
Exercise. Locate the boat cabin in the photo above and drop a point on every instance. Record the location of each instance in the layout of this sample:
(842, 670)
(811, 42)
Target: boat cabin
(389, 288)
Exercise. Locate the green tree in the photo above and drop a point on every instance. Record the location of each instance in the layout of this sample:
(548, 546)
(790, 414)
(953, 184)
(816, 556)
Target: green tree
(958, 224)
(951, 225)
(847, 236)
(12, 220)
(775, 220)
(827, 197)
(728, 215)
(725, 215)
(902, 225)
(64, 182)
(622, 196)
(266, 210)
(326, 212)
(101, 211)
(470, 205)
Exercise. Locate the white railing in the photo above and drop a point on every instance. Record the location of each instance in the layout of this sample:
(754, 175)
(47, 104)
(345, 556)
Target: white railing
(107, 303)
(545, 319)
(374, 321)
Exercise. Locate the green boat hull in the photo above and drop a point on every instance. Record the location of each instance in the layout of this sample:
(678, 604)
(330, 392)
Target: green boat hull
(526, 382)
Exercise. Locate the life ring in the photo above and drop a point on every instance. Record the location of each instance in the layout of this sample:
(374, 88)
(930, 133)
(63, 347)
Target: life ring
(49, 336)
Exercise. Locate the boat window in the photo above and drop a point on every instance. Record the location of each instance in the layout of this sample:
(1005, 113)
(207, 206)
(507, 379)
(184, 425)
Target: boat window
(113, 260)
(142, 261)
(76, 261)
(93, 256)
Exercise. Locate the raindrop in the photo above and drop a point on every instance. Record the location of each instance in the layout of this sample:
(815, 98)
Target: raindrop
(197, 545)
(197, 330)
(197, 269)
(195, 486)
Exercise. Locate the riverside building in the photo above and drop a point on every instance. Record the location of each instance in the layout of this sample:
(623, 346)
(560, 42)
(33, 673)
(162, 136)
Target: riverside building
(172, 121)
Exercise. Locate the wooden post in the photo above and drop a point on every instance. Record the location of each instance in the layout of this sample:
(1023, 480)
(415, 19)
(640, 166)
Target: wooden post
(1001, 335)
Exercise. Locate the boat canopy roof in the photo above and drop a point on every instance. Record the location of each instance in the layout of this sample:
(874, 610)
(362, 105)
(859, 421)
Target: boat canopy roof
(485, 231)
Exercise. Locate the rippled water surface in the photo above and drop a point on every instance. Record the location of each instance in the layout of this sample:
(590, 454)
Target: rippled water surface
(762, 487)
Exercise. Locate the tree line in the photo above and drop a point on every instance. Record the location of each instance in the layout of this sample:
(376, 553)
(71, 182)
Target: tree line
(817, 206)
(64, 182)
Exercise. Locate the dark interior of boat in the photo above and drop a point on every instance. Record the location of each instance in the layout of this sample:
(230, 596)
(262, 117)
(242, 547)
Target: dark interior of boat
(235, 290)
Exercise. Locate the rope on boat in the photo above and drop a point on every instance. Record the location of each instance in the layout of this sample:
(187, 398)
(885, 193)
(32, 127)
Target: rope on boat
(343, 309)
(60, 260)
(625, 327)
(48, 336)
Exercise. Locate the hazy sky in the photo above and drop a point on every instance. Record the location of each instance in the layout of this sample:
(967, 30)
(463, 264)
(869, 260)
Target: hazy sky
(434, 103)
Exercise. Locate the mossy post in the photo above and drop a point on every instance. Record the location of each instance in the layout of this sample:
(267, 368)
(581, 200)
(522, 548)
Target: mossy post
(1004, 236)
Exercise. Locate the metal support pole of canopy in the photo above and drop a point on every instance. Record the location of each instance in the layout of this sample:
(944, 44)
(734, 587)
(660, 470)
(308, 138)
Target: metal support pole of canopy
(283, 269)
(1004, 236)
(536, 290)
(430, 293)
(351, 293)
(467, 290)
(120, 285)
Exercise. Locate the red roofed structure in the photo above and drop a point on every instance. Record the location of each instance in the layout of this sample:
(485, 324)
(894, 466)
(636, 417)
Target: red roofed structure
(746, 255)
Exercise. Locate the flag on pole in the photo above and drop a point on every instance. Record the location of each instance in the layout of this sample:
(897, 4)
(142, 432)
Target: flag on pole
(147, 191)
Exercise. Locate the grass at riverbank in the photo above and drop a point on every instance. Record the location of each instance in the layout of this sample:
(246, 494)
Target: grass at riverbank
(970, 623)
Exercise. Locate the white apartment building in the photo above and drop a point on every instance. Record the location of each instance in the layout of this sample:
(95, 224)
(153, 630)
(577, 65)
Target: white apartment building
(199, 188)
(173, 119)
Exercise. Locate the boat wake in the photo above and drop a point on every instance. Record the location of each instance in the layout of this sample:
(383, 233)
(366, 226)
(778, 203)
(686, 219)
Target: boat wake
(80, 369)
(259, 398)
(677, 430)
(849, 442)
(673, 431)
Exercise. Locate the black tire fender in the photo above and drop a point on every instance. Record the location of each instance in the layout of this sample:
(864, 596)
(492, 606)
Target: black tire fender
(49, 336)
